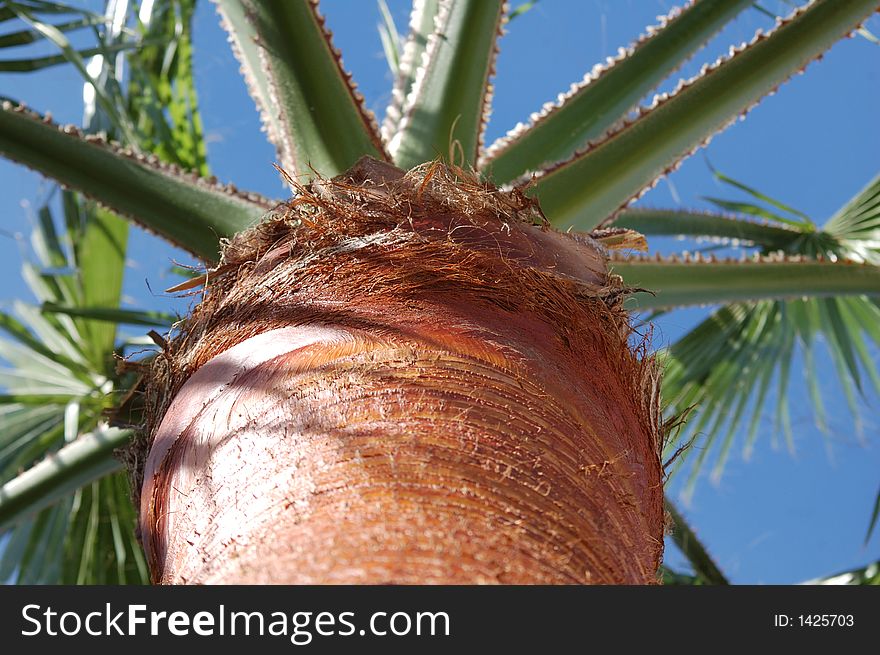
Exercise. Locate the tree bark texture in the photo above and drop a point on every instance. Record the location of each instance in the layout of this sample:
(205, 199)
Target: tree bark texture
(404, 378)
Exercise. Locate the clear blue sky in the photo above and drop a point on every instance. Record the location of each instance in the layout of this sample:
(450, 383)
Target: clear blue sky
(773, 519)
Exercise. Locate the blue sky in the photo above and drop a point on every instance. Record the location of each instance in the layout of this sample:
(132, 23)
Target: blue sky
(773, 519)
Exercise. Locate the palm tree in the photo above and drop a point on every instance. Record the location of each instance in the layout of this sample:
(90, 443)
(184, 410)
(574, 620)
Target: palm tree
(403, 373)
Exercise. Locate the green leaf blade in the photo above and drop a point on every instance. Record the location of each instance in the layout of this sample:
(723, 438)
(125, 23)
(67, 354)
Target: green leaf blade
(758, 195)
(680, 283)
(25, 37)
(88, 458)
(312, 112)
(191, 213)
(672, 222)
(445, 111)
(692, 548)
(592, 187)
(101, 264)
(604, 98)
(421, 26)
(110, 314)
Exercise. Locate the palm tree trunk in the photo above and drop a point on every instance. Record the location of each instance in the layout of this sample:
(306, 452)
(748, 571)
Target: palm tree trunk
(401, 379)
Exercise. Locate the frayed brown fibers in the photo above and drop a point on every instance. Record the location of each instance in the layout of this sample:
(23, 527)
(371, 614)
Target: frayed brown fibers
(404, 377)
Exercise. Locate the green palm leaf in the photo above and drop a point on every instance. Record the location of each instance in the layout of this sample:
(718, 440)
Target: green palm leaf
(32, 64)
(87, 538)
(311, 111)
(726, 229)
(421, 26)
(875, 514)
(864, 575)
(725, 366)
(705, 568)
(114, 315)
(28, 36)
(106, 99)
(188, 211)
(701, 281)
(592, 187)
(84, 460)
(162, 94)
(857, 225)
(603, 99)
(445, 109)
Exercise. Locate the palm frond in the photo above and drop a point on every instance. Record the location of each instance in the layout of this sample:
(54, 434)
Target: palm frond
(705, 569)
(679, 281)
(161, 89)
(85, 458)
(857, 225)
(108, 101)
(445, 111)
(726, 366)
(875, 514)
(311, 110)
(189, 211)
(29, 36)
(421, 26)
(718, 229)
(59, 439)
(392, 44)
(87, 538)
(591, 187)
(863, 575)
(602, 100)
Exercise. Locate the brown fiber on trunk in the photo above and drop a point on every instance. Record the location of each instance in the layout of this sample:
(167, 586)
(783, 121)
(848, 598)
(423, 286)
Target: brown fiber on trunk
(404, 379)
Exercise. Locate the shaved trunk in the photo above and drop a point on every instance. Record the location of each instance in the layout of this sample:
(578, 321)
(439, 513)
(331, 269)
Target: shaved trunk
(401, 379)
